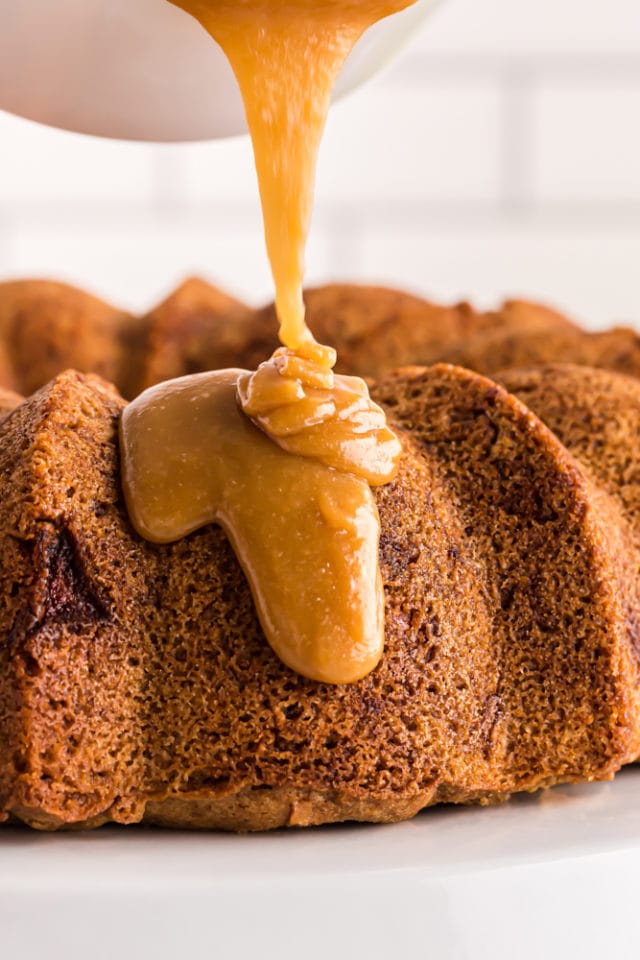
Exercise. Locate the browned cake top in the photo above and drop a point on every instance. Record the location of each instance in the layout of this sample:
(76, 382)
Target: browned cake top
(137, 676)
(199, 328)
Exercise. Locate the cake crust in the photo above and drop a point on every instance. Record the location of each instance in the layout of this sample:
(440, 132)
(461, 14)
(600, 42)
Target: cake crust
(47, 327)
(138, 685)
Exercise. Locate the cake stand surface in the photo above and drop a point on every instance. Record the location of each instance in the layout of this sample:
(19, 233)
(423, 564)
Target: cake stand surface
(551, 875)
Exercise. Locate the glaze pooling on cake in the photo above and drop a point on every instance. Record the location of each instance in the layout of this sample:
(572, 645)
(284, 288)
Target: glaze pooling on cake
(137, 682)
(306, 534)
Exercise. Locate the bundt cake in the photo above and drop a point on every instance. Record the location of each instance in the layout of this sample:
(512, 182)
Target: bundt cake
(137, 684)
(48, 327)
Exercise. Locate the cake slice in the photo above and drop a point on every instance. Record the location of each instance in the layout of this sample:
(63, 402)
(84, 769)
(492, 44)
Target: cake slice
(136, 683)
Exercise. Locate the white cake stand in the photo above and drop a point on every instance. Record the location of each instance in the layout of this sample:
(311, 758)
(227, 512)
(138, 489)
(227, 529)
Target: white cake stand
(555, 875)
(142, 69)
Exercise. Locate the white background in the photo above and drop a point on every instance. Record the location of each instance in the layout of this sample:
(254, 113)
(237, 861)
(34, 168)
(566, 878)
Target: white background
(500, 155)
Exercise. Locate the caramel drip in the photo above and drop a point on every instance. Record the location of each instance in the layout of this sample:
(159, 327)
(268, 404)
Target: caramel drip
(294, 495)
(306, 535)
(308, 410)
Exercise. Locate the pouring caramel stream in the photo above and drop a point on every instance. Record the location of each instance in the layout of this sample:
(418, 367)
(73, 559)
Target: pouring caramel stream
(283, 457)
(286, 55)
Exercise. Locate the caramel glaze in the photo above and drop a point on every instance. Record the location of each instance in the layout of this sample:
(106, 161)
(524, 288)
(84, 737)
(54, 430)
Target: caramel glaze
(306, 409)
(283, 457)
(286, 55)
(305, 534)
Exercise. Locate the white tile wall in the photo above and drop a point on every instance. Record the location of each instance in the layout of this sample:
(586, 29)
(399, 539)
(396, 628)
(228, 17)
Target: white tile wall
(397, 142)
(37, 163)
(137, 260)
(535, 26)
(500, 155)
(589, 272)
(587, 141)
(221, 171)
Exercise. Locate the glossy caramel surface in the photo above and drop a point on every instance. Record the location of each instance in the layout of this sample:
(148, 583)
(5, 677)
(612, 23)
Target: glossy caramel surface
(308, 410)
(290, 481)
(306, 535)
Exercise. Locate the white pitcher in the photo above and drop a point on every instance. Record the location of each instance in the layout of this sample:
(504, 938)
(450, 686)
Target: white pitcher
(140, 69)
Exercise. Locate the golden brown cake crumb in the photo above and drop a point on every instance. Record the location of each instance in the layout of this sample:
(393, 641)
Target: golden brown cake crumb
(139, 685)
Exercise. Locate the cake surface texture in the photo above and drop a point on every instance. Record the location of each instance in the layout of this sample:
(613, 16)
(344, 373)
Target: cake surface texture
(48, 327)
(136, 682)
(138, 685)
